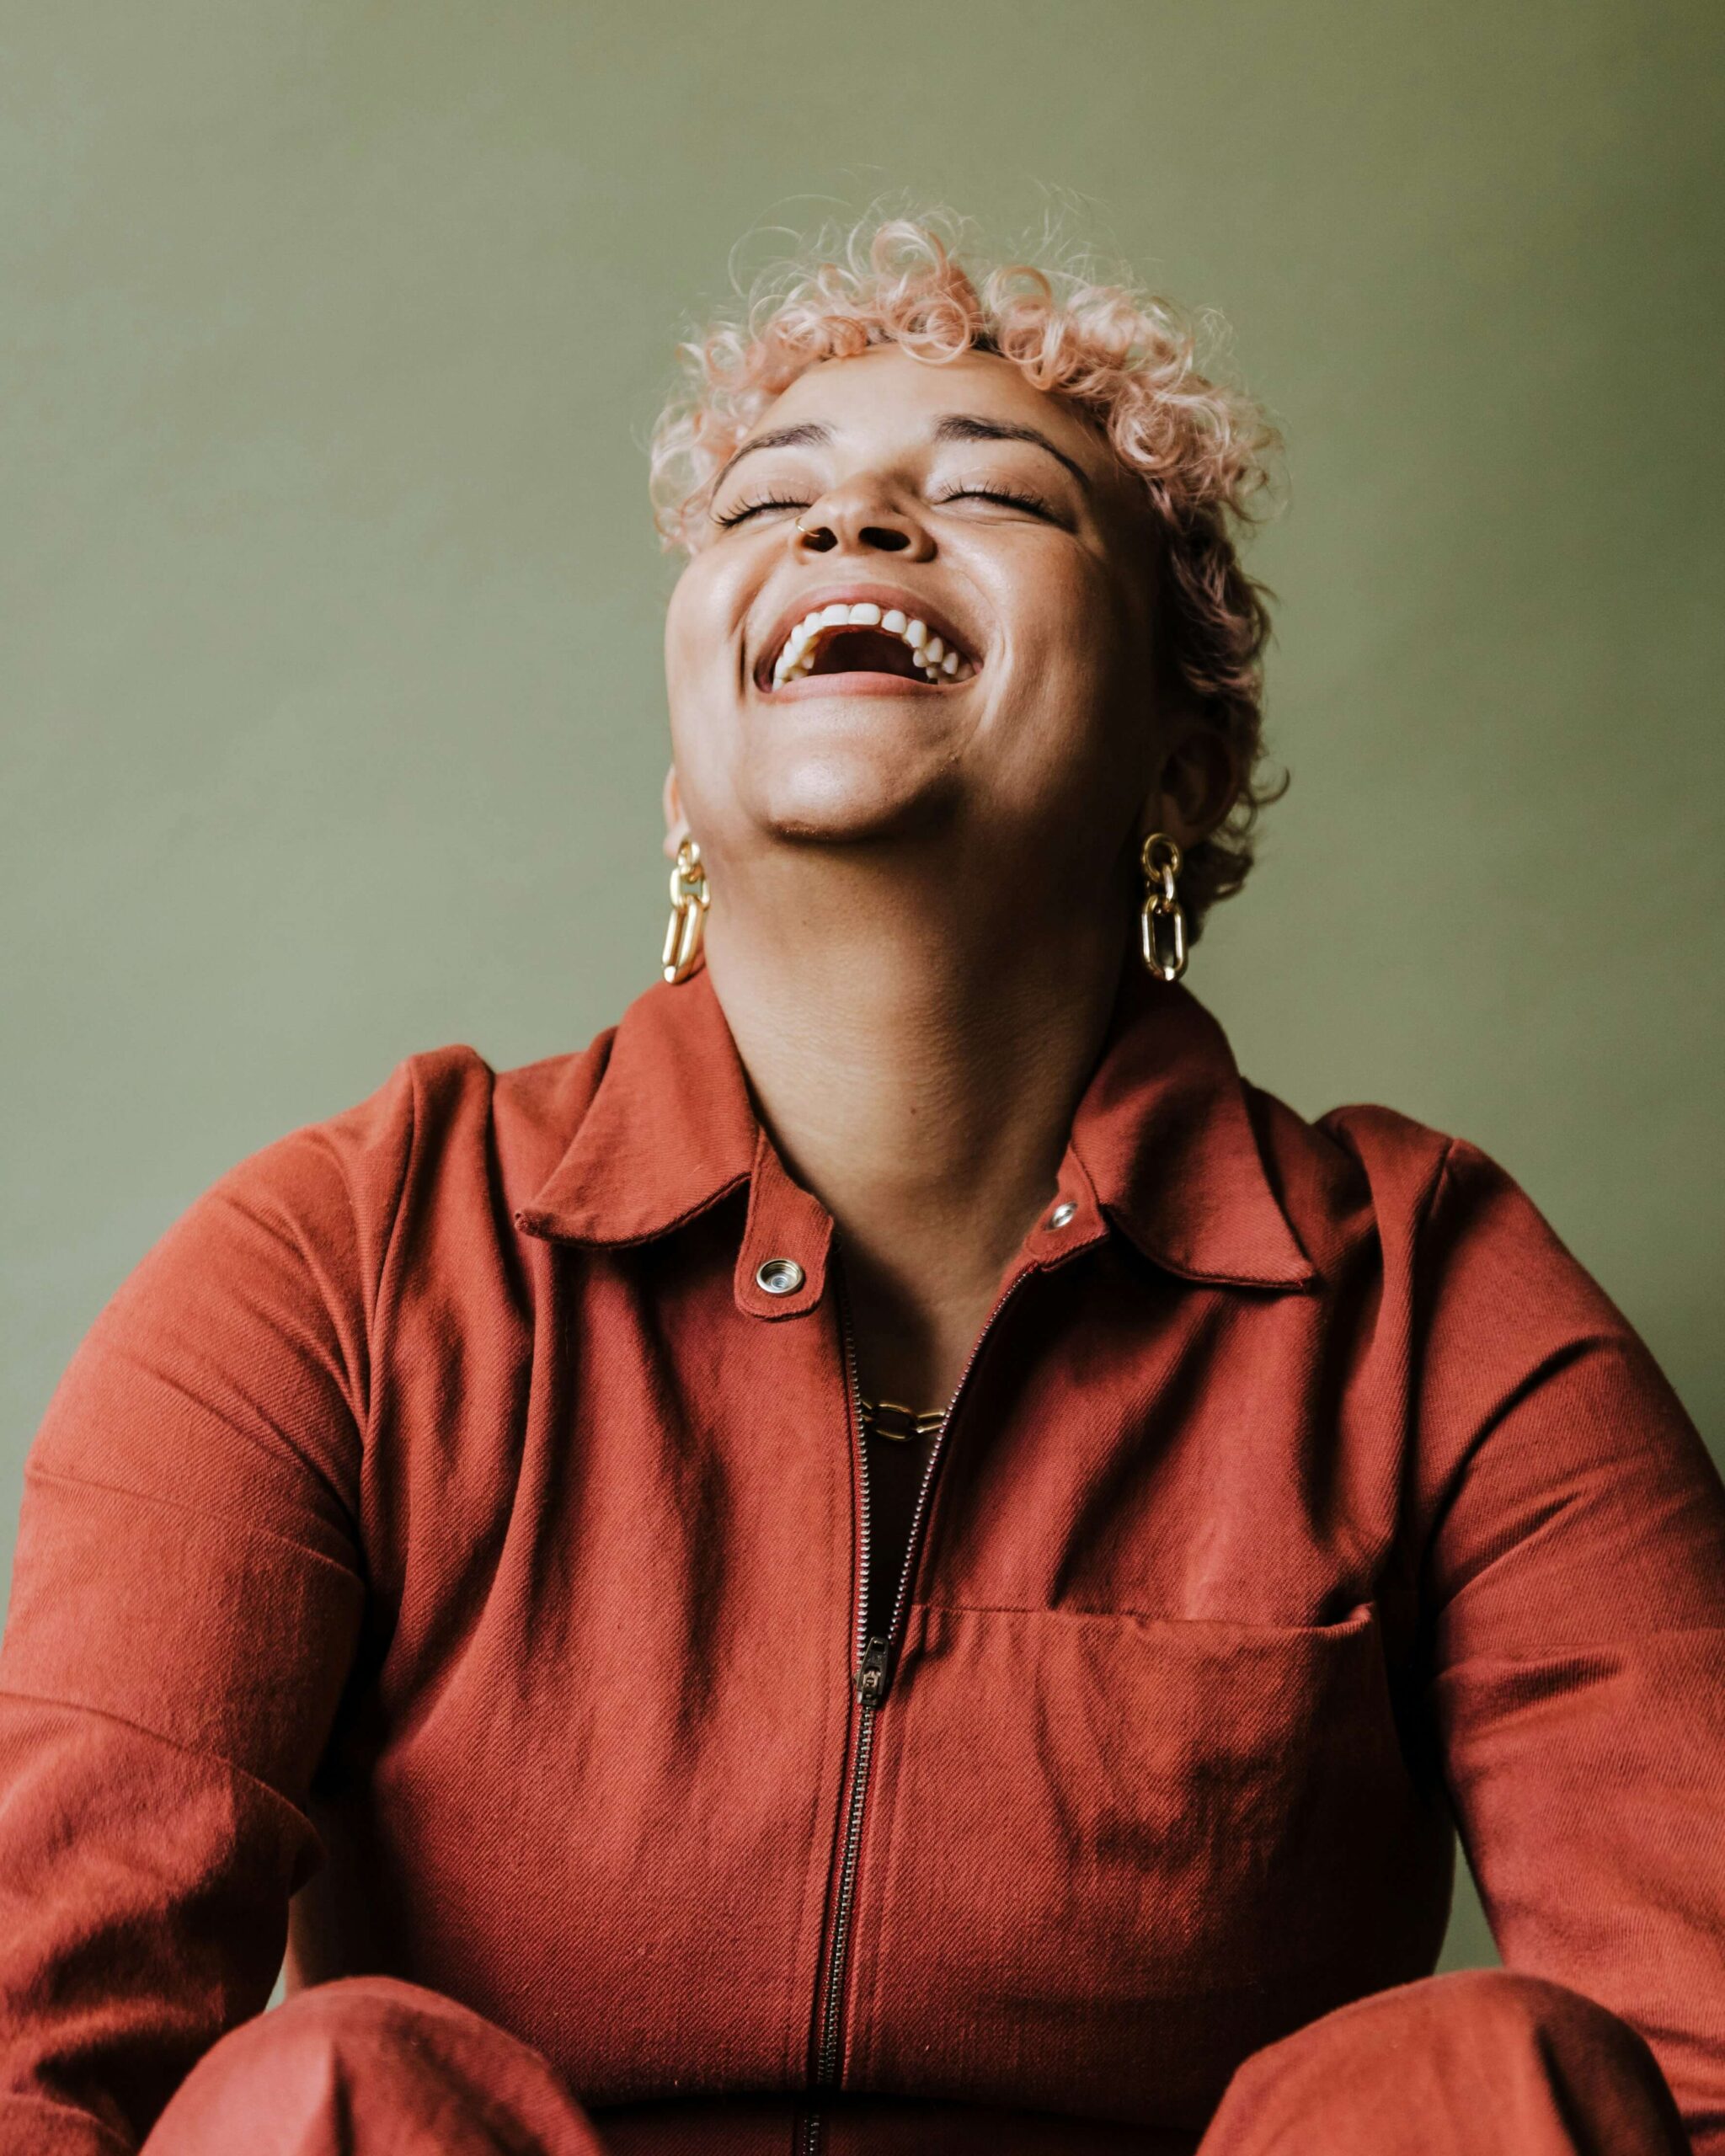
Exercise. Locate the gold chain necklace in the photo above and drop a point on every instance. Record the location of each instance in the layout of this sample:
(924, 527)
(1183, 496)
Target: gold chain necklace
(886, 1419)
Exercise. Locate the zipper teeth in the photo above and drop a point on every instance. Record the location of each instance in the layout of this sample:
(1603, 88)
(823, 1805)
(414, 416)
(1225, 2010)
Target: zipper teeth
(827, 2064)
(860, 1639)
(934, 1453)
(826, 2059)
(841, 1916)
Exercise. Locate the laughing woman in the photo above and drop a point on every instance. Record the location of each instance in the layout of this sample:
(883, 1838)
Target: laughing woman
(891, 1557)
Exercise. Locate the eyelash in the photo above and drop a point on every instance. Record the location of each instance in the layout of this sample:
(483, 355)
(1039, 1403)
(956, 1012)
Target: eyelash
(1011, 495)
(1018, 498)
(747, 509)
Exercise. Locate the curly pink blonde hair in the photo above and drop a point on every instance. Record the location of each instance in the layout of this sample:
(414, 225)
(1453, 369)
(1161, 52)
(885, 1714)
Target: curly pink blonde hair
(1124, 361)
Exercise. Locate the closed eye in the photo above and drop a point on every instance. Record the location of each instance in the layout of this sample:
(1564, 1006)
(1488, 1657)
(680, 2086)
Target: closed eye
(744, 510)
(1009, 497)
(1006, 497)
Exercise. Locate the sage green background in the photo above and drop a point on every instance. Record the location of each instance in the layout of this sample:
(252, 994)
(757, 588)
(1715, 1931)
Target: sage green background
(332, 694)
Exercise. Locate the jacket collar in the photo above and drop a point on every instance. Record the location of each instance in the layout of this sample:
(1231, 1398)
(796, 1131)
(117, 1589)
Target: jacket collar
(1162, 1143)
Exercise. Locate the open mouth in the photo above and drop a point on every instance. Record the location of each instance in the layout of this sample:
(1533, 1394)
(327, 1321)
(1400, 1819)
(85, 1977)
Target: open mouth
(865, 638)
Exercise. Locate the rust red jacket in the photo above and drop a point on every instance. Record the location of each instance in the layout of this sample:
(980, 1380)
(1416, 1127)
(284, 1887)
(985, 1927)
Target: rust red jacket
(444, 1528)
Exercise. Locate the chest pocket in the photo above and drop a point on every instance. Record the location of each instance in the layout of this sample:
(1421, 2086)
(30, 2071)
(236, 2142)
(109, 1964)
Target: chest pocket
(1122, 1852)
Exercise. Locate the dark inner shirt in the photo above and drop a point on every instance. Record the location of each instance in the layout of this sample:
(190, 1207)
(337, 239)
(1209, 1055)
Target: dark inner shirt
(896, 1466)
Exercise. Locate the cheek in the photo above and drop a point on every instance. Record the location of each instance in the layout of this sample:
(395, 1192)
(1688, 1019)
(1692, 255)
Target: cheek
(1070, 722)
(1074, 629)
(700, 649)
(700, 623)
(684, 639)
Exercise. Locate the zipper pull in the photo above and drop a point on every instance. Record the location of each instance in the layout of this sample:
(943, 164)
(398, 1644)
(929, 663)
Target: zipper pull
(870, 1677)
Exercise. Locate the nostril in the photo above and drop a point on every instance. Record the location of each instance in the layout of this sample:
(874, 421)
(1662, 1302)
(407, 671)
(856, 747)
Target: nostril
(886, 538)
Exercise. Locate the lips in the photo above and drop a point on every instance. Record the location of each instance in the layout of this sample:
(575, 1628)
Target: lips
(875, 629)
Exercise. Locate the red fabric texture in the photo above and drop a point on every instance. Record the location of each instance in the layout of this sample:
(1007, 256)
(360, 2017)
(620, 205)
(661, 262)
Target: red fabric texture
(369, 2066)
(1472, 2064)
(441, 1557)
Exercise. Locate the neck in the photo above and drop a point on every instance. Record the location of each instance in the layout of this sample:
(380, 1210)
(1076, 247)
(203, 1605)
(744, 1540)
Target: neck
(917, 1062)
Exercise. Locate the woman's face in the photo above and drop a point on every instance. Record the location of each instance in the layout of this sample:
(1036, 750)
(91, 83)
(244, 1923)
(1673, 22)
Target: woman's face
(960, 498)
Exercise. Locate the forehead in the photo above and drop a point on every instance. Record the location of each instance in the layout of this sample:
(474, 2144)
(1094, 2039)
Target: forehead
(883, 395)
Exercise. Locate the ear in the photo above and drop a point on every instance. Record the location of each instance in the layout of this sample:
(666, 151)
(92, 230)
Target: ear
(1198, 783)
(676, 824)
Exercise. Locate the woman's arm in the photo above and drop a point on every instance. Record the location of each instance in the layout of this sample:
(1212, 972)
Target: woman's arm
(185, 1604)
(1575, 1577)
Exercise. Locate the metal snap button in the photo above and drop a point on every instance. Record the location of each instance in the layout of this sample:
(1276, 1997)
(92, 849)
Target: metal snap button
(1062, 1212)
(778, 1276)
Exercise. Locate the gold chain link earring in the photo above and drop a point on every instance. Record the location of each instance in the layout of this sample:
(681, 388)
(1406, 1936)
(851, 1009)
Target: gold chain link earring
(1160, 860)
(690, 899)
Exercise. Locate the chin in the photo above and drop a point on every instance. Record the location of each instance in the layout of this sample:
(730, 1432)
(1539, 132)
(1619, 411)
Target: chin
(839, 799)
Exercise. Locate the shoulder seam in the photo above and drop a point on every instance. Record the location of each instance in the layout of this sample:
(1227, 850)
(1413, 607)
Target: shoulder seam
(218, 1760)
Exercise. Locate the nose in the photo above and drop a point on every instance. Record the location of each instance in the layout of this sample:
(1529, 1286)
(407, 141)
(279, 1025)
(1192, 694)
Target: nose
(861, 516)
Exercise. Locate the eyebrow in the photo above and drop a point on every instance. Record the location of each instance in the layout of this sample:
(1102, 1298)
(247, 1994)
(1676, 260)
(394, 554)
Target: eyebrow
(955, 426)
(969, 426)
(806, 436)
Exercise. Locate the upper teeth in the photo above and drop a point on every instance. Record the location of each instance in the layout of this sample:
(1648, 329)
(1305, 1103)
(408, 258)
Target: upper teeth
(796, 658)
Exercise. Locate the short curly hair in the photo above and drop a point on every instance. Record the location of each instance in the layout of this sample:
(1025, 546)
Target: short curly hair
(1124, 361)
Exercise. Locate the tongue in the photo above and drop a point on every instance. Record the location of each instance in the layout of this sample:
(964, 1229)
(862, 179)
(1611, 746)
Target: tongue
(867, 651)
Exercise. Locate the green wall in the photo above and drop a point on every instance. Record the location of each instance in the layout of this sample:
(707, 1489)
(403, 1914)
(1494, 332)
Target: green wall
(331, 697)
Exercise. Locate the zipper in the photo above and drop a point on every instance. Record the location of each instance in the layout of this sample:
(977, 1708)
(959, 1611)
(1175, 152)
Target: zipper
(871, 1680)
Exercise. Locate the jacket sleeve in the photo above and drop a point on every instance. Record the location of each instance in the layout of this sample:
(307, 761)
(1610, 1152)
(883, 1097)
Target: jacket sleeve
(1574, 1572)
(185, 1604)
